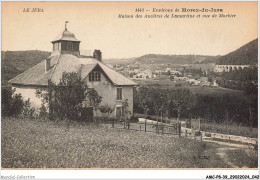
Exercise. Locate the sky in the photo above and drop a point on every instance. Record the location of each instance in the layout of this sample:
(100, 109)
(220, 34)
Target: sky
(97, 26)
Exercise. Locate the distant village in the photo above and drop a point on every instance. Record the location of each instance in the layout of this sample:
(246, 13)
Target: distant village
(164, 72)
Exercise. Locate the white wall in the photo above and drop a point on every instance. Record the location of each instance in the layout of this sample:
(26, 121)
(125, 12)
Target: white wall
(104, 88)
(108, 92)
(28, 92)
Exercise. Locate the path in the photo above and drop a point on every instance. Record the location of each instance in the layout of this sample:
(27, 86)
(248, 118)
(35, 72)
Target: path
(225, 146)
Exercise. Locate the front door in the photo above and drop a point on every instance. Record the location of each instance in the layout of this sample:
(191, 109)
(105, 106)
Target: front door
(118, 111)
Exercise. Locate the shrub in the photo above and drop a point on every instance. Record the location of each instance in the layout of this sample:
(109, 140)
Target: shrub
(43, 112)
(27, 110)
(106, 109)
(133, 119)
(208, 134)
(197, 133)
(12, 104)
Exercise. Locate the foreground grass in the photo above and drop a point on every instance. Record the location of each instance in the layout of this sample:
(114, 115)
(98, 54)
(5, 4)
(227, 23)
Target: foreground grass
(243, 158)
(30, 143)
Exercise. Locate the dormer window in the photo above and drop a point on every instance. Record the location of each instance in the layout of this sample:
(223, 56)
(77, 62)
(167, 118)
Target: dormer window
(95, 76)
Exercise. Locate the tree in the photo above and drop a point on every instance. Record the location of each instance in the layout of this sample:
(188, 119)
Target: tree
(210, 79)
(64, 100)
(168, 73)
(94, 99)
(12, 104)
(160, 102)
(125, 108)
(182, 100)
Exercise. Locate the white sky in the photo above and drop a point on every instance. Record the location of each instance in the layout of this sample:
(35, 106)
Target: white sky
(96, 25)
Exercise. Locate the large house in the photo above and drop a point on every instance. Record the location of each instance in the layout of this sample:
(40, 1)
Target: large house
(65, 57)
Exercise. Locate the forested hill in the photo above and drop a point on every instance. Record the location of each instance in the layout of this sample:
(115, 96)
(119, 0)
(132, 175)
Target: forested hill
(245, 55)
(16, 62)
(23, 60)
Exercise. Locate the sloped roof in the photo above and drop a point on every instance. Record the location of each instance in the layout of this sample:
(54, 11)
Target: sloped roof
(67, 63)
(36, 75)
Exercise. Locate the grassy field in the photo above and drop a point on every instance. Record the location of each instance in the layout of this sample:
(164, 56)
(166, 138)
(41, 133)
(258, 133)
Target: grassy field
(243, 158)
(44, 144)
(28, 143)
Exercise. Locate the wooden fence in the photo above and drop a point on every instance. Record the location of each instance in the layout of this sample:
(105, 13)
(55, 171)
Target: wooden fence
(159, 128)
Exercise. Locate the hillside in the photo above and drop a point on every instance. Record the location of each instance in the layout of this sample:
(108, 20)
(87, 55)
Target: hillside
(114, 61)
(245, 55)
(8, 72)
(163, 59)
(172, 59)
(16, 62)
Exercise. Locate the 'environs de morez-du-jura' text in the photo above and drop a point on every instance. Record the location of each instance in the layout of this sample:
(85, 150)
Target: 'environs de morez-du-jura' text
(177, 13)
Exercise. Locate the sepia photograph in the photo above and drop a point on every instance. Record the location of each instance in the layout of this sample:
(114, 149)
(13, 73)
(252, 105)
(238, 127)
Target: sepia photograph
(129, 85)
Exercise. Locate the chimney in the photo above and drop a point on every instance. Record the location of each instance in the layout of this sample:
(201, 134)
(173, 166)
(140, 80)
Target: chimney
(47, 65)
(97, 54)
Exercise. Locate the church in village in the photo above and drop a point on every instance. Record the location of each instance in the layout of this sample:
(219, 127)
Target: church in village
(65, 57)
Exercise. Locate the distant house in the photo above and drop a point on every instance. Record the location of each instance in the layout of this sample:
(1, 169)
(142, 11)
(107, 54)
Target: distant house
(174, 72)
(193, 82)
(204, 81)
(168, 69)
(65, 57)
(147, 74)
(158, 71)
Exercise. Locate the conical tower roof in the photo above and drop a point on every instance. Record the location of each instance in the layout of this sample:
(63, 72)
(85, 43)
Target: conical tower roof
(66, 36)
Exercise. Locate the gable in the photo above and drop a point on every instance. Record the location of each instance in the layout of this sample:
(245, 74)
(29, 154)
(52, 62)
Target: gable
(97, 68)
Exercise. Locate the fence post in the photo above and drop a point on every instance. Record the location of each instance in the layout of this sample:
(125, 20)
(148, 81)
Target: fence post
(157, 128)
(145, 125)
(179, 129)
(185, 132)
(128, 125)
(162, 129)
(199, 124)
(113, 124)
(124, 124)
(140, 127)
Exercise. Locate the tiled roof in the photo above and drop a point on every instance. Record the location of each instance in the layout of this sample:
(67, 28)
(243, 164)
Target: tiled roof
(67, 63)
(36, 75)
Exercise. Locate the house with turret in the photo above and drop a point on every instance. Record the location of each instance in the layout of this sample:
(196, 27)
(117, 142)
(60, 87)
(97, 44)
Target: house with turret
(65, 57)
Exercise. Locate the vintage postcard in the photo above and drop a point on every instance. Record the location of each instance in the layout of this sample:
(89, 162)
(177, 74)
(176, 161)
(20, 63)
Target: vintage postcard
(113, 85)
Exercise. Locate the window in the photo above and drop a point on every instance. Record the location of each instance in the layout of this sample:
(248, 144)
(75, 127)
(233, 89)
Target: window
(56, 46)
(119, 93)
(95, 76)
(70, 46)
